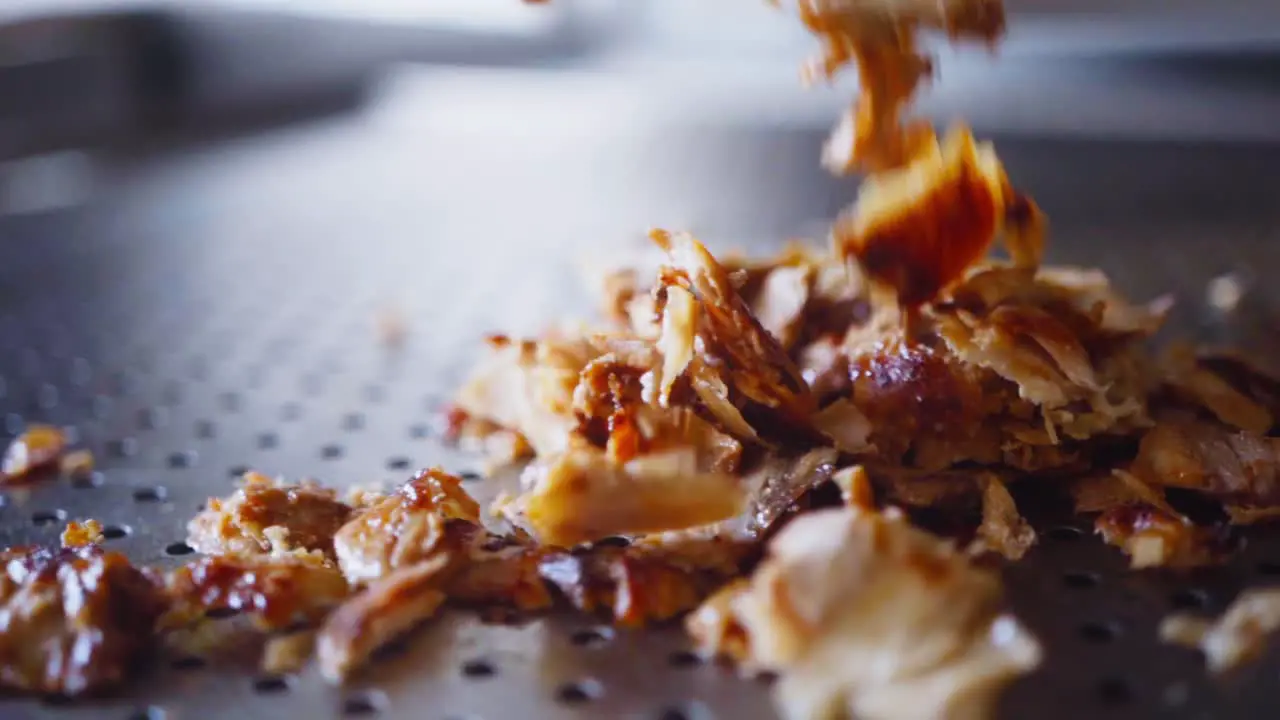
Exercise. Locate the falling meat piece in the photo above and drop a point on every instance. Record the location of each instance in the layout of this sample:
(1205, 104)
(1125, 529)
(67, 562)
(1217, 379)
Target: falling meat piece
(917, 229)
(1238, 636)
(880, 37)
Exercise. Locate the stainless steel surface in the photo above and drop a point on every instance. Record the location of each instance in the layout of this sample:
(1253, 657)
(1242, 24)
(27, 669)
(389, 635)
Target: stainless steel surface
(215, 308)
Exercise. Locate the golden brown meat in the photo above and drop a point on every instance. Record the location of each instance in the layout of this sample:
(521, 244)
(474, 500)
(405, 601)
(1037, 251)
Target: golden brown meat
(265, 516)
(1238, 636)
(72, 621)
(388, 607)
(37, 449)
(917, 229)
(879, 35)
(863, 615)
(277, 592)
(1152, 537)
(1235, 466)
(403, 528)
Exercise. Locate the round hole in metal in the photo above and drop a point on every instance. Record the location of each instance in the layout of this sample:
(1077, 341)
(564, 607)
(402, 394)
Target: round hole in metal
(591, 637)
(151, 713)
(470, 476)
(205, 429)
(268, 440)
(577, 693)
(683, 659)
(271, 685)
(1099, 632)
(419, 431)
(479, 669)
(1189, 599)
(88, 482)
(150, 494)
(352, 421)
(237, 471)
(178, 549)
(124, 447)
(331, 452)
(399, 463)
(115, 532)
(361, 704)
(188, 663)
(1081, 580)
(48, 517)
(1114, 691)
(182, 459)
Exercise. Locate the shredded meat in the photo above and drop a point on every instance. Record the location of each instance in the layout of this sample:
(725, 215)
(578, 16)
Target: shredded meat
(378, 614)
(37, 449)
(1237, 637)
(265, 516)
(865, 616)
(880, 38)
(1233, 465)
(72, 621)
(277, 592)
(404, 528)
(917, 229)
(1003, 529)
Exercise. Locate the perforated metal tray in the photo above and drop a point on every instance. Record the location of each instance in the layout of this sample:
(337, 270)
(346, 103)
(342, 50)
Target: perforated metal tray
(215, 309)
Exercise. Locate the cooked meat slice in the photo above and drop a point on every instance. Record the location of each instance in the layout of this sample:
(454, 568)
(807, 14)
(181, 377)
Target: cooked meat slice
(864, 615)
(753, 371)
(856, 489)
(1200, 384)
(498, 572)
(404, 528)
(631, 586)
(917, 229)
(1236, 466)
(81, 534)
(1236, 637)
(266, 515)
(880, 37)
(387, 608)
(1003, 529)
(582, 496)
(1156, 538)
(72, 621)
(38, 448)
(276, 591)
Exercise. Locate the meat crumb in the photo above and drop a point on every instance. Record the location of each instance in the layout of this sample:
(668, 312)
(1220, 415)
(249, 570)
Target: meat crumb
(1236, 637)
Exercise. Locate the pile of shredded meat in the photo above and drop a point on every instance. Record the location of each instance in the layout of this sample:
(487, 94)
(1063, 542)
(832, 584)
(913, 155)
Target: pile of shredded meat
(756, 443)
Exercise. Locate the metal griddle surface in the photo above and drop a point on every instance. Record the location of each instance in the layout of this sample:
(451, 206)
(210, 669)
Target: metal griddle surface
(215, 309)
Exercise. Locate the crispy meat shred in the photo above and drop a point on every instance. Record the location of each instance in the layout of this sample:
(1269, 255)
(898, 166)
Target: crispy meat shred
(378, 614)
(880, 37)
(266, 516)
(1236, 637)
(73, 621)
(865, 616)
